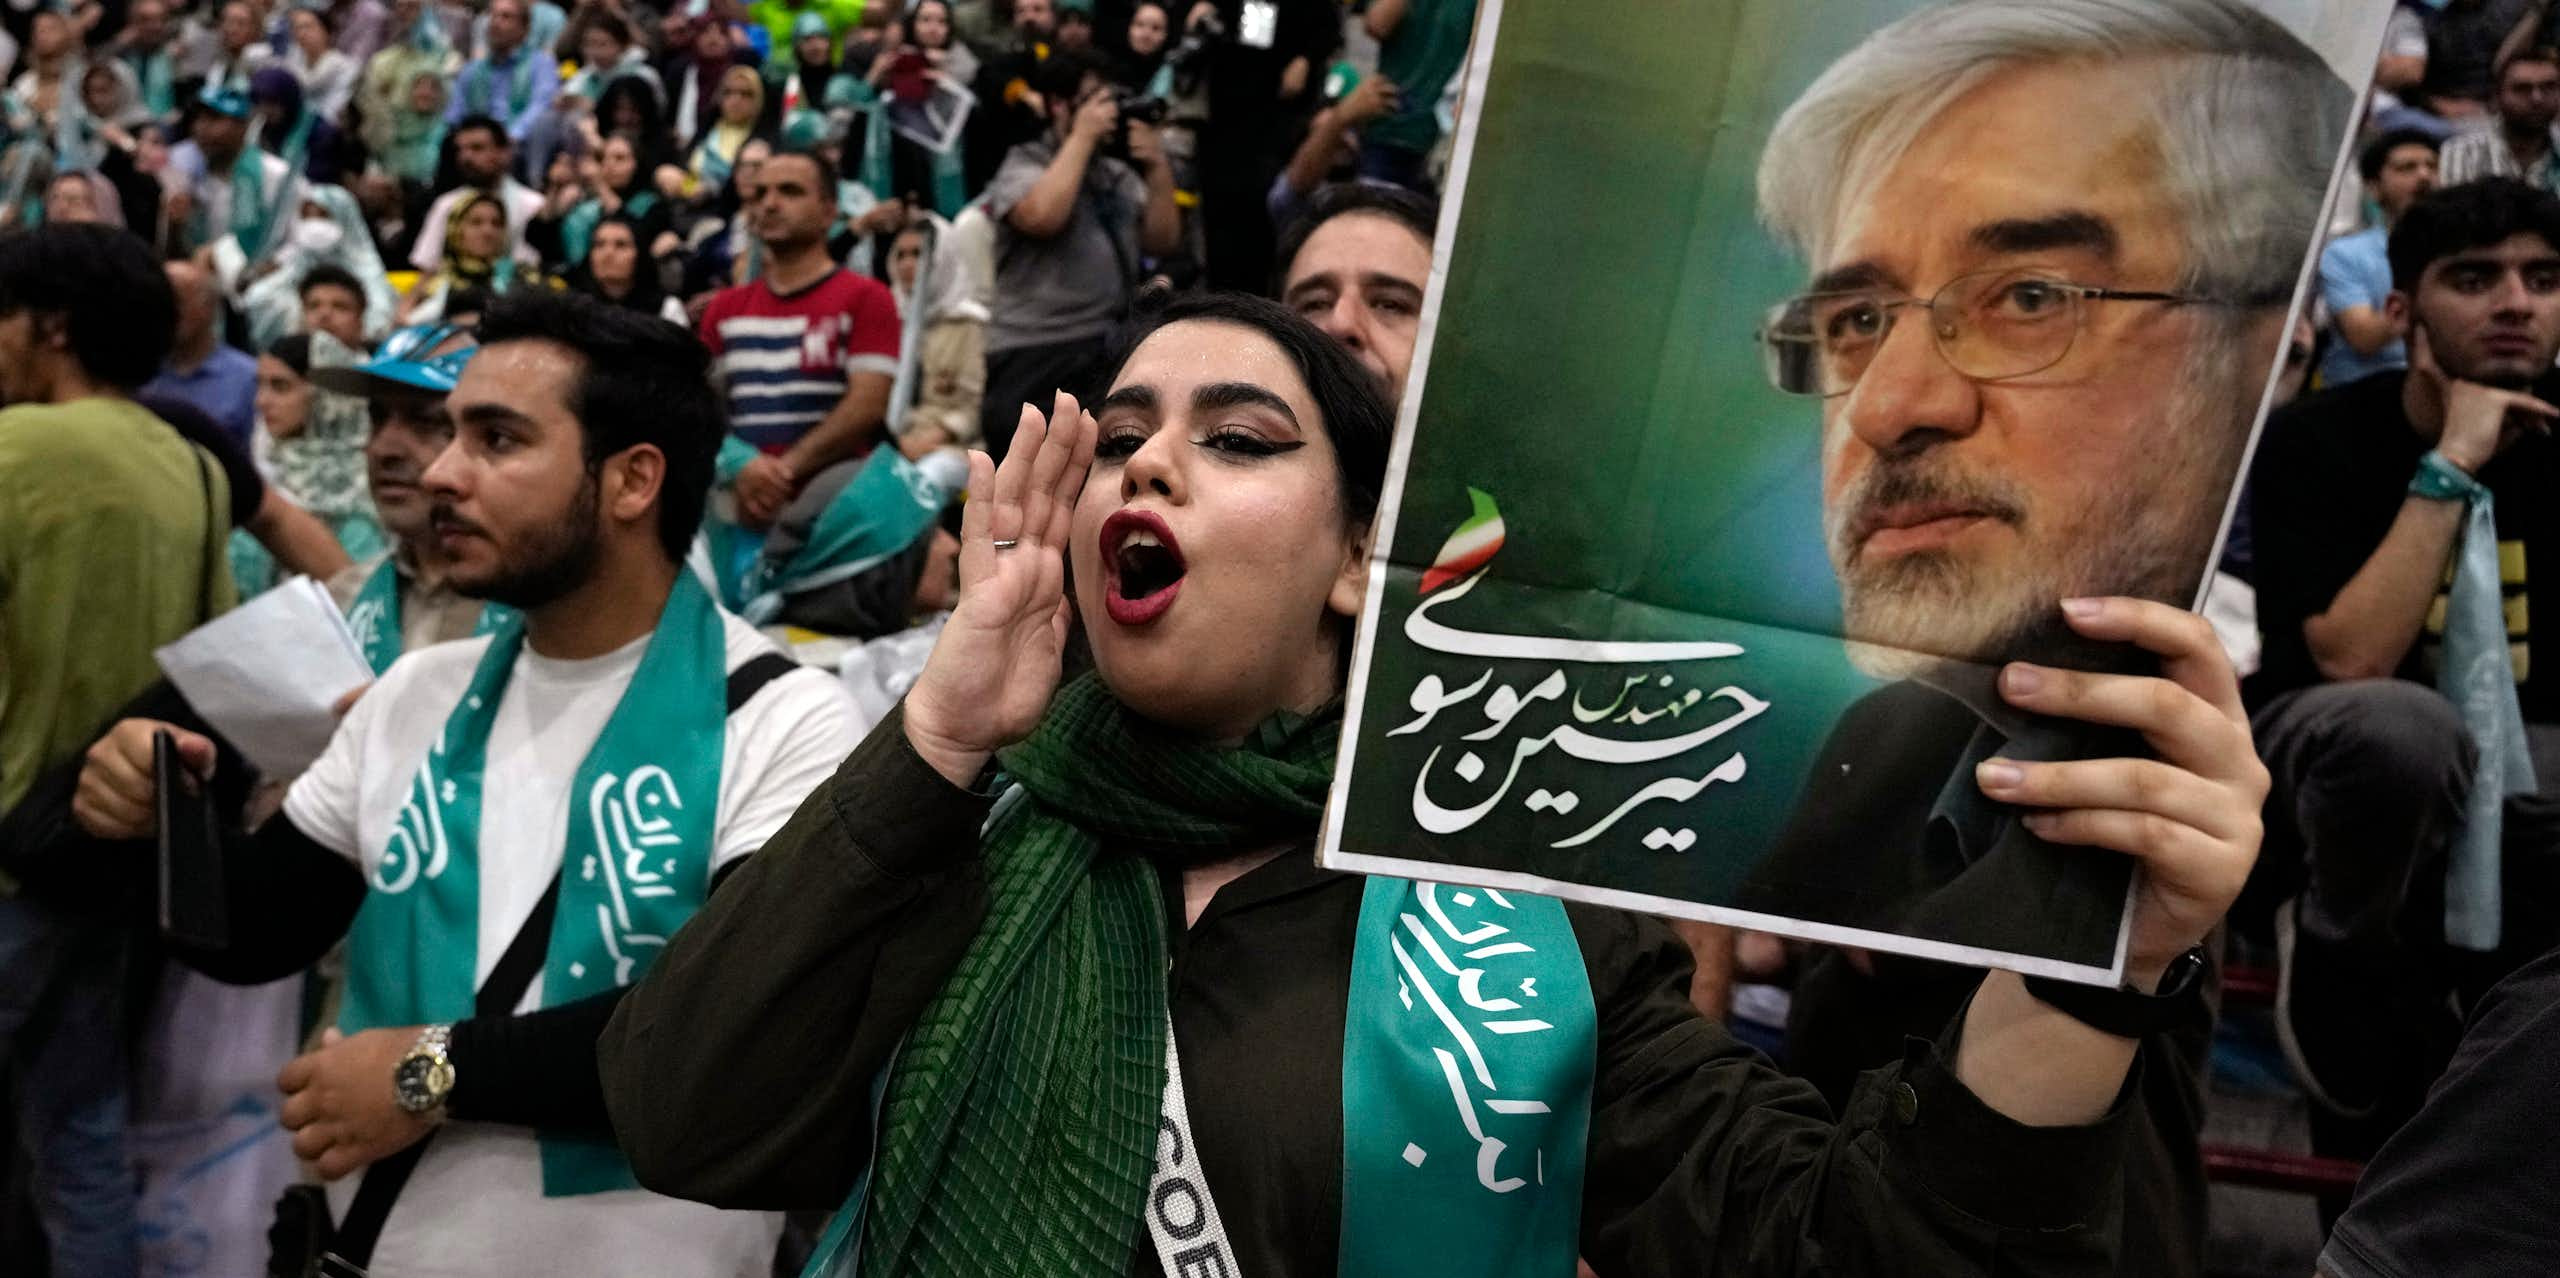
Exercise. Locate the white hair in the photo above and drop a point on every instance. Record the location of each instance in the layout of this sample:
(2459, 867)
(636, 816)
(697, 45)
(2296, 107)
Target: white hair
(2250, 119)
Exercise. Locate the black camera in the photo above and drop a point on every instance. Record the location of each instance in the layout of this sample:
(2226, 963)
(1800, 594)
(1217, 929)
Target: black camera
(1133, 107)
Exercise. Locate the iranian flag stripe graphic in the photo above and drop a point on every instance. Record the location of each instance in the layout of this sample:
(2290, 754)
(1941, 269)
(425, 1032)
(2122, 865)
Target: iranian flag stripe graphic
(1471, 547)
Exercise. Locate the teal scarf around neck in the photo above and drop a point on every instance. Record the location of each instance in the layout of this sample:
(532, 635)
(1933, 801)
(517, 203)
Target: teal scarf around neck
(374, 616)
(1019, 1123)
(636, 865)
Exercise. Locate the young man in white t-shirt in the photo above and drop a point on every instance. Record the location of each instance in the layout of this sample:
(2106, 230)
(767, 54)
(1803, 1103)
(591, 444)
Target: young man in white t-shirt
(583, 447)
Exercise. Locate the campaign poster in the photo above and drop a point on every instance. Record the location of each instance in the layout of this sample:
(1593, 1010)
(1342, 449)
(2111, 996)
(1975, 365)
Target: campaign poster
(1785, 363)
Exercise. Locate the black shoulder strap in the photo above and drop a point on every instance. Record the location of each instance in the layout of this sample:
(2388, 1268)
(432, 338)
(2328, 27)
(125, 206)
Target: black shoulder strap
(498, 996)
(748, 680)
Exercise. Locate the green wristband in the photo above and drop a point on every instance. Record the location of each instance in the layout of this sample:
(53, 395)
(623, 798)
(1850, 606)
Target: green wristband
(2440, 480)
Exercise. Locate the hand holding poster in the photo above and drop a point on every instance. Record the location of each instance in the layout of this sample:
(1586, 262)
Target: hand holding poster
(1892, 325)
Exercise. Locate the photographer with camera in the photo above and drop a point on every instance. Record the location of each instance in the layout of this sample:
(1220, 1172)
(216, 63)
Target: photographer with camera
(1073, 215)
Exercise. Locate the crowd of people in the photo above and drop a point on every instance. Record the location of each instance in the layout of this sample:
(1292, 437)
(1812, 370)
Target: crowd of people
(856, 513)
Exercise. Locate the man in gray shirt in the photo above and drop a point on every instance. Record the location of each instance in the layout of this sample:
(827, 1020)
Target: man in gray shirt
(1073, 221)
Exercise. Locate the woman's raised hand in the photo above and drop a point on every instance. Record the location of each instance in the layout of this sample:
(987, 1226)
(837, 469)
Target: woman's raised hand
(997, 661)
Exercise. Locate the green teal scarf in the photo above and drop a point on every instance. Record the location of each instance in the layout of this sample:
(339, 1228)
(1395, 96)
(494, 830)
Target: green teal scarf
(1019, 1123)
(374, 616)
(637, 863)
(477, 86)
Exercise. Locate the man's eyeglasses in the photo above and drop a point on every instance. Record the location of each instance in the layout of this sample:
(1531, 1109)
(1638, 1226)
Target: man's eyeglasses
(1989, 325)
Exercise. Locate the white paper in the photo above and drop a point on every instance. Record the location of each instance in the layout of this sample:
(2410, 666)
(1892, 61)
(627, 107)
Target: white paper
(267, 673)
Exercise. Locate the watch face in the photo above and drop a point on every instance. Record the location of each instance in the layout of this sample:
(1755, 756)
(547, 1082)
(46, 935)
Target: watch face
(420, 1083)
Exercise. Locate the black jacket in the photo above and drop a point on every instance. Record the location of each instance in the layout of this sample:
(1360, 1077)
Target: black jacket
(739, 1071)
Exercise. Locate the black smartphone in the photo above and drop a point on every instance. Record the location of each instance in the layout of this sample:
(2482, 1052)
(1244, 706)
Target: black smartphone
(193, 910)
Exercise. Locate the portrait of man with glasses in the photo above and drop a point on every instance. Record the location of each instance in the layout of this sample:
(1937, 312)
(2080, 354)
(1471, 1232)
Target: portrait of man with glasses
(1892, 327)
(2047, 286)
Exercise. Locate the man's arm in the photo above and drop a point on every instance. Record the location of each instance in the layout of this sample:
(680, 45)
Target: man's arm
(1383, 17)
(1329, 139)
(297, 538)
(1160, 224)
(853, 425)
(2368, 629)
(1045, 210)
(1702, 1152)
(2365, 329)
(546, 86)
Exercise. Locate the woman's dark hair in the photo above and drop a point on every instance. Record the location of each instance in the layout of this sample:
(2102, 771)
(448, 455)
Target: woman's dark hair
(950, 23)
(2473, 215)
(650, 142)
(646, 296)
(642, 381)
(1350, 398)
(118, 313)
(293, 351)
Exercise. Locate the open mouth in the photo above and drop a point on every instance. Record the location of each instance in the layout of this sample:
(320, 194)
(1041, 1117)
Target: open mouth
(1142, 567)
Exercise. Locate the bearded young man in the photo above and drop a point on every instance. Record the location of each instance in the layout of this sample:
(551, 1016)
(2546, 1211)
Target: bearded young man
(2037, 364)
(506, 829)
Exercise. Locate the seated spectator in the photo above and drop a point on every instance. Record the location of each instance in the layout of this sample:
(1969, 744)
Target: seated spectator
(514, 82)
(2463, 39)
(388, 96)
(142, 48)
(701, 54)
(411, 135)
(51, 60)
(333, 302)
(615, 183)
(328, 76)
(1075, 25)
(1072, 224)
(635, 110)
(220, 187)
(951, 364)
(237, 52)
(81, 195)
(1356, 265)
(618, 270)
(715, 151)
(2520, 136)
(482, 159)
(865, 557)
(474, 257)
(329, 235)
(2422, 833)
(219, 380)
(607, 53)
(805, 353)
(2355, 270)
(311, 443)
(362, 27)
(289, 128)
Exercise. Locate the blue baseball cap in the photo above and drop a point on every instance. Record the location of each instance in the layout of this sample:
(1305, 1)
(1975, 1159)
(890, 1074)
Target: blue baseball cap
(421, 357)
(223, 99)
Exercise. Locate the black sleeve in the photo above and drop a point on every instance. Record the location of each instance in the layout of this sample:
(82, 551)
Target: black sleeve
(290, 900)
(248, 488)
(1704, 1157)
(536, 1070)
(543, 236)
(739, 1071)
(54, 860)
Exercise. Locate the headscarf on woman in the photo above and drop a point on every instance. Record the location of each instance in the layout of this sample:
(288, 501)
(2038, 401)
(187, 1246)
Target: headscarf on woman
(274, 302)
(299, 135)
(715, 152)
(106, 203)
(693, 75)
(460, 269)
(646, 295)
(412, 140)
(319, 467)
(424, 49)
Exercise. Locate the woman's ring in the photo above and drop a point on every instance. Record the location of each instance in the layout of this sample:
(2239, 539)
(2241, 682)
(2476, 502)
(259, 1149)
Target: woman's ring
(1008, 543)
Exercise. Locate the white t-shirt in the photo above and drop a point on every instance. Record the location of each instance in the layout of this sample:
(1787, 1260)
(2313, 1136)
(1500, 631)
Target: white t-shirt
(475, 1206)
